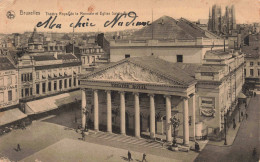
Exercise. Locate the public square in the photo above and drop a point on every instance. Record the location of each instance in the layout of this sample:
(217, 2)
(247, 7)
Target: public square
(57, 132)
(53, 138)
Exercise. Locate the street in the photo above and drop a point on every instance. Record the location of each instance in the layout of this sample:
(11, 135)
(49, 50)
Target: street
(57, 132)
(246, 140)
(49, 133)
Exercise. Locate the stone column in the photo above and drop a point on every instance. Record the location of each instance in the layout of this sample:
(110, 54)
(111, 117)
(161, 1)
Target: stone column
(40, 88)
(58, 85)
(185, 122)
(168, 117)
(109, 112)
(34, 89)
(52, 86)
(72, 79)
(137, 115)
(194, 115)
(122, 112)
(77, 83)
(46, 87)
(96, 124)
(152, 116)
(83, 107)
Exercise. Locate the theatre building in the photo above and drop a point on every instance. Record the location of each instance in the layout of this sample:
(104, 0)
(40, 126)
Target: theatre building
(139, 95)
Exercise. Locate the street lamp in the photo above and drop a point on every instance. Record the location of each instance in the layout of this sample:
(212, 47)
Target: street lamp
(175, 123)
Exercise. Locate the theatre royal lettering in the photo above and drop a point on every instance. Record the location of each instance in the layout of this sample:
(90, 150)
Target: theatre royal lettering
(7, 87)
(131, 86)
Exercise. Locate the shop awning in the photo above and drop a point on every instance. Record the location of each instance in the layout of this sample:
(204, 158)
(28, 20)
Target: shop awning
(68, 98)
(241, 95)
(51, 103)
(10, 116)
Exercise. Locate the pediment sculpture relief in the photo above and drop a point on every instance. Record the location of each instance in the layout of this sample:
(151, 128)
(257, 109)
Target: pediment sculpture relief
(130, 73)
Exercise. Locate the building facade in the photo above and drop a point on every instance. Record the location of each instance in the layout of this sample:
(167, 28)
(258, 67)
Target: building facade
(46, 73)
(91, 56)
(9, 95)
(141, 94)
(252, 61)
(132, 95)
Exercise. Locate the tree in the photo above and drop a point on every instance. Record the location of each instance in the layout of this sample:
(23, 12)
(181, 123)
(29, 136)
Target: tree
(174, 122)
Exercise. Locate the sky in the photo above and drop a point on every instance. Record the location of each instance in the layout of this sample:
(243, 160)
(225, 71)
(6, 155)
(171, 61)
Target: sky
(247, 11)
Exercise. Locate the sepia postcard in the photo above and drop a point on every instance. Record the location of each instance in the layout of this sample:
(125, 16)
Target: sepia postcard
(129, 80)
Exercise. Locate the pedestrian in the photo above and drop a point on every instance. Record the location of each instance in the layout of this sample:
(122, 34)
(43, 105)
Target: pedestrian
(242, 113)
(254, 152)
(254, 94)
(18, 147)
(246, 116)
(234, 125)
(197, 146)
(129, 156)
(144, 155)
(83, 135)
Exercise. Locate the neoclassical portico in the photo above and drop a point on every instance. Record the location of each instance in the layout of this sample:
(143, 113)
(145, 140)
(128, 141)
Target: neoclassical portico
(135, 78)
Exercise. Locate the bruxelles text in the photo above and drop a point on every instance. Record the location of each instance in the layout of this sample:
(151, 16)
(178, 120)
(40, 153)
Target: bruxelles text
(118, 20)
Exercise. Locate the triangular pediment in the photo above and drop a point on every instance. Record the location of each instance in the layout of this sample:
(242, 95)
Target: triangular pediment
(130, 72)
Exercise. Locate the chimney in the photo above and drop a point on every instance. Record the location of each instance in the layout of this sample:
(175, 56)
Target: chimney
(55, 54)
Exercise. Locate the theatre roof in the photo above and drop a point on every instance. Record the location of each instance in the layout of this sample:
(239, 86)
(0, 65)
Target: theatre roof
(168, 70)
(169, 28)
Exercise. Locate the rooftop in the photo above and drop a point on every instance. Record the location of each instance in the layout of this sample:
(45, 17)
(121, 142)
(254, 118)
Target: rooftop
(5, 63)
(50, 56)
(180, 73)
(168, 28)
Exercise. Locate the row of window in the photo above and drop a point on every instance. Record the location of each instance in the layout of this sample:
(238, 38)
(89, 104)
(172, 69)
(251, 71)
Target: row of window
(28, 91)
(53, 48)
(9, 96)
(252, 63)
(89, 59)
(56, 73)
(92, 50)
(67, 83)
(35, 46)
(26, 77)
(252, 72)
(9, 81)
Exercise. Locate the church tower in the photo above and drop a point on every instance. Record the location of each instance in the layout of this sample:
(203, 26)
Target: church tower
(35, 43)
(210, 21)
